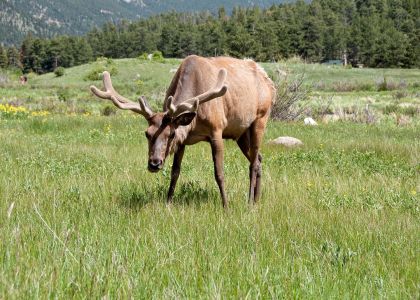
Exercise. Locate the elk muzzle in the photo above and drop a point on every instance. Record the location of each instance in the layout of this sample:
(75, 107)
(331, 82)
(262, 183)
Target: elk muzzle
(155, 165)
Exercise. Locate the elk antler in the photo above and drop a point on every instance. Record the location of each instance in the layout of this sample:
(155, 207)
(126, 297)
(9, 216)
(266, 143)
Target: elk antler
(118, 100)
(191, 105)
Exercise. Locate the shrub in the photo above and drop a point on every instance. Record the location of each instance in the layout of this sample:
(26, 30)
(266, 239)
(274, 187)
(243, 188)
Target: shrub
(292, 97)
(143, 56)
(63, 94)
(399, 94)
(386, 85)
(109, 110)
(415, 85)
(158, 56)
(113, 71)
(59, 71)
(102, 64)
(96, 73)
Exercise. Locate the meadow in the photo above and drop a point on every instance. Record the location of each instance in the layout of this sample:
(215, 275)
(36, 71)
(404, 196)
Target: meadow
(81, 217)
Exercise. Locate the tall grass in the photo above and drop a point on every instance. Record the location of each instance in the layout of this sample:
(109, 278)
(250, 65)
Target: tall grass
(134, 77)
(80, 217)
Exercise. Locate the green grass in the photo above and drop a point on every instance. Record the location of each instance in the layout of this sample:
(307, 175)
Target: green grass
(346, 87)
(80, 216)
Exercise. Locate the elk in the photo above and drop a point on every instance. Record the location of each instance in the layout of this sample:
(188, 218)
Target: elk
(208, 99)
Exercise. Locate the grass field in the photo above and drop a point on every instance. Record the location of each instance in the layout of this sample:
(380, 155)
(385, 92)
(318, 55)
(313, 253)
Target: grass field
(343, 87)
(81, 217)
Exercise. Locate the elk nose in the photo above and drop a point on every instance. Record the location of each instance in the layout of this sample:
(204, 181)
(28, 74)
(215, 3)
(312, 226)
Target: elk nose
(155, 164)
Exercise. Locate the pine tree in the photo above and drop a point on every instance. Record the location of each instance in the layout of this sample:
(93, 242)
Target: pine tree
(25, 53)
(38, 56)
(13, 58)
(372, 32)
(3, 58)
(313, 29)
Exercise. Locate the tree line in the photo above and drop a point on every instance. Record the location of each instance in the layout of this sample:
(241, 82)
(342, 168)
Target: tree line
(375, 33)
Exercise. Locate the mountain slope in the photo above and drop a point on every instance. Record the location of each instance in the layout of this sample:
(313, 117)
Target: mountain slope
(52, 17)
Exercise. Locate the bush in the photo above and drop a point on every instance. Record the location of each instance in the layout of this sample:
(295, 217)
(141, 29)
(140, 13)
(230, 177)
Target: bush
(94, 74)
(59, 71)
(386, 85)
(158, 56)
(399, 94)
(292, 97)
(102, 64)
(97, 71)
(109, 110)
(63, 94)
(143, 56)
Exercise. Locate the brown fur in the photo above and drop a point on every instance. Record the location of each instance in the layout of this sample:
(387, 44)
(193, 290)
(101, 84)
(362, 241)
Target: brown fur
(239, 112)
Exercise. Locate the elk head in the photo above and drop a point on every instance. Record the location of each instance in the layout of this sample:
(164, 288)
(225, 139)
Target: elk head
(162, 130)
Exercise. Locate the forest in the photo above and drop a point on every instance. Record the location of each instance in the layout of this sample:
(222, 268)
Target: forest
(372, 33)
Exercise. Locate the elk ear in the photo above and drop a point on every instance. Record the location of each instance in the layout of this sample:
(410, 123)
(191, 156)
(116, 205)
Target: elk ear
(184, 119)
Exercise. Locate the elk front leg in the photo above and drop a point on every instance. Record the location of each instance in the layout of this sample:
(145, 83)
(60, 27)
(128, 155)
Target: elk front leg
(217, 152)
(176, 169)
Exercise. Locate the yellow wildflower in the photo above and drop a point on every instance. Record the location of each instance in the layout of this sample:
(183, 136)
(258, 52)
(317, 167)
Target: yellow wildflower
(107, 128)
(40, 113)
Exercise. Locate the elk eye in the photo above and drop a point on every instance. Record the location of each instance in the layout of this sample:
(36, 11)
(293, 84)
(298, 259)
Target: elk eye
(147, 135)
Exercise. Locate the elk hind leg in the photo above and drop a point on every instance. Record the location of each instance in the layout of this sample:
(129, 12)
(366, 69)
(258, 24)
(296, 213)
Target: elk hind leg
(244, 143)
(256, 135)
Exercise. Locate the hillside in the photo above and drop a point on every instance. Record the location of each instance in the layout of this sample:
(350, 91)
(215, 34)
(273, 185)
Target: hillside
(51, 17)
(340, 88)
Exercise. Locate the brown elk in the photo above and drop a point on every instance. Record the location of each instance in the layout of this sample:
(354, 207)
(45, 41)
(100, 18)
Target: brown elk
(209, 99)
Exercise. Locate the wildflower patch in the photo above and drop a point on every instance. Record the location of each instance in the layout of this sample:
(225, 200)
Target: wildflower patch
(8, 111)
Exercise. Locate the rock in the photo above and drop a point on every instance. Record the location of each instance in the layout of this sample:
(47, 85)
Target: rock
(310, 121)
(286, 141)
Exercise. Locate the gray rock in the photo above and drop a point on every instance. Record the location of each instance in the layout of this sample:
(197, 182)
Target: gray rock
(286, 141)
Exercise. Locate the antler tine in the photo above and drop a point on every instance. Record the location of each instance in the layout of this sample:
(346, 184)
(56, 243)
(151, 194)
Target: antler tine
(118, 100)
(179, 109)
(192, 104)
